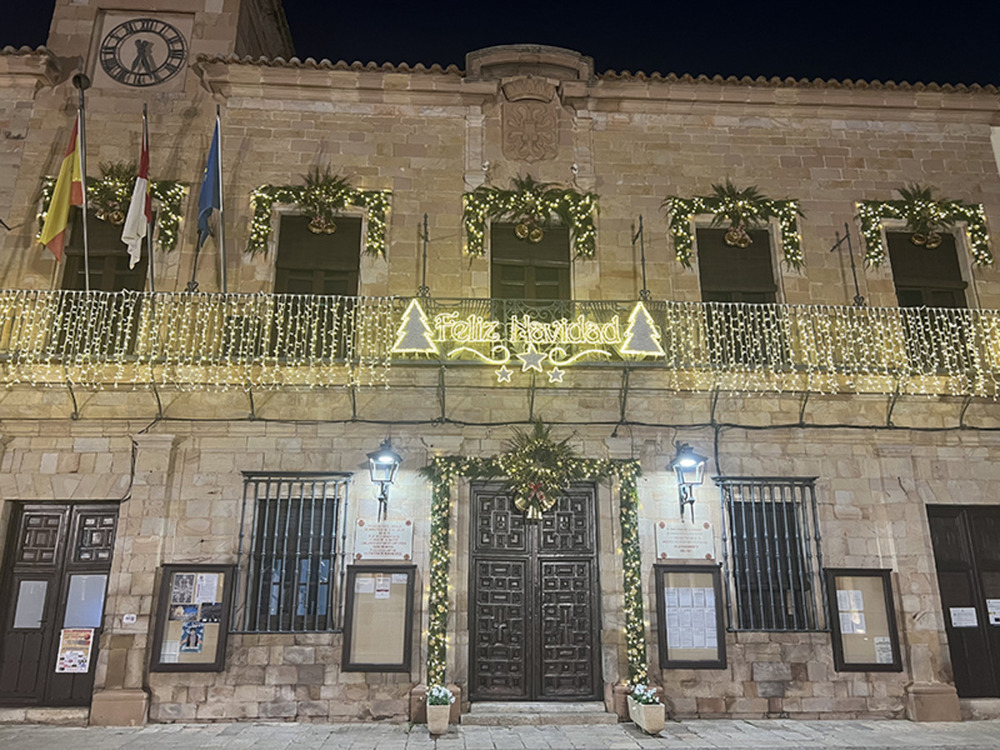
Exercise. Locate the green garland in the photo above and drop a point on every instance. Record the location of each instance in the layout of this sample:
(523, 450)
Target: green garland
(263, 198)
(872, 213)
(112, 193)
(535, 204)
(683, 210)
(443, 471)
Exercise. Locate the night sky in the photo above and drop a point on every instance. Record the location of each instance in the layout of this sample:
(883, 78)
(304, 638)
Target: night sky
(901, 42)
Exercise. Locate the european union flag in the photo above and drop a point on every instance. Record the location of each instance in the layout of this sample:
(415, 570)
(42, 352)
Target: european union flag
(209, 198)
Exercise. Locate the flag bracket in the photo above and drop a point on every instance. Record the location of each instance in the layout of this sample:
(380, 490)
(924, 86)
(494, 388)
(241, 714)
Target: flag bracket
(75, 414)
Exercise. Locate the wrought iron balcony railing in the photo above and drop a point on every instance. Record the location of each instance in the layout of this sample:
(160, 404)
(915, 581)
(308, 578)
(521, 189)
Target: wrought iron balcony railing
(135, 339)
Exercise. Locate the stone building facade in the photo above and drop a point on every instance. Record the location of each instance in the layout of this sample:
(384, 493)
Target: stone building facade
(885, 413)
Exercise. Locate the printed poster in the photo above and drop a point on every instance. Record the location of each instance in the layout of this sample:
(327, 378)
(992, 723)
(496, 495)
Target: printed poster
(192, 637)
(182, 589)
(74, 650)
(383, 585)
(993, 611)
(206, 588)
(883, 649)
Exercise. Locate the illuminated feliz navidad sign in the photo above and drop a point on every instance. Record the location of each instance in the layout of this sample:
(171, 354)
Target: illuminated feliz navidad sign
(526, 341)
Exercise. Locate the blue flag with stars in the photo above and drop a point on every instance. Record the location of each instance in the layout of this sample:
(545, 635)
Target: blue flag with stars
(209, 198)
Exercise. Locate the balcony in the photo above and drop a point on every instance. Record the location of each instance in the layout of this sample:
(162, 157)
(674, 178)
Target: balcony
(264, 341)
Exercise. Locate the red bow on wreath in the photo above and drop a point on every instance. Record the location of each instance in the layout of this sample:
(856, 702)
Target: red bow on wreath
(533, 504)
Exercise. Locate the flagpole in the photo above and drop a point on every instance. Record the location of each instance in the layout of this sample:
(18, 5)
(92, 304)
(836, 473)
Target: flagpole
(82, 82)
(222, 213)
(149, 223)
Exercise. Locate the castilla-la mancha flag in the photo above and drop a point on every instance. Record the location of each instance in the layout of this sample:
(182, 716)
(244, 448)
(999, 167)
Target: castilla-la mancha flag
(68, 192)
(140, 210)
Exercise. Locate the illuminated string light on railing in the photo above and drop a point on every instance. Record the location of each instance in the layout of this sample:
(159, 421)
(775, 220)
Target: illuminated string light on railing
(226, 342)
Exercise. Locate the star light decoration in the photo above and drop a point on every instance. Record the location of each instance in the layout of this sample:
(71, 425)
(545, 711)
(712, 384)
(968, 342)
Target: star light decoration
(167, 194)
(442, 473)
(531, 359)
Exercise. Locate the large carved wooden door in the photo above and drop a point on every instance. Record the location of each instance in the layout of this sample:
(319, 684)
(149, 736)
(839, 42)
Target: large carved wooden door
(535, 616)
(54, 579)
(966, 543)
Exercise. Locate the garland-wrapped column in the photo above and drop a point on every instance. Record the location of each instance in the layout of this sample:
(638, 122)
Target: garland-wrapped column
(635, 625)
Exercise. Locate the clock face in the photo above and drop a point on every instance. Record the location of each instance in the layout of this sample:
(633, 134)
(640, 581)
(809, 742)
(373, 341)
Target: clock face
(143, 52)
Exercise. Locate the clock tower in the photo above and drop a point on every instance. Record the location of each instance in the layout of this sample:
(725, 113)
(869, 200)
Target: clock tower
(149, 45)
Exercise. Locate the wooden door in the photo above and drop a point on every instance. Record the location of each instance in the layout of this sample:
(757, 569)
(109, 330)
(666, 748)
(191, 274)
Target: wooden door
(54, 577)
(966, 542)
(535, 593)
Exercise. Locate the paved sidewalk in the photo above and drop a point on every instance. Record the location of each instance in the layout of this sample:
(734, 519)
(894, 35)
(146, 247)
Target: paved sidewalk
(783, 734)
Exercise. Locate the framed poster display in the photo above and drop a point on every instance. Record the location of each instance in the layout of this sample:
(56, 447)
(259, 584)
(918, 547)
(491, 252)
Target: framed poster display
(692, 631)
(192, 618)
(863, 621)
(378, 627)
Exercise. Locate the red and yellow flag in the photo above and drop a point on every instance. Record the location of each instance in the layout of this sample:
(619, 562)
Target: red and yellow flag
(68, 192)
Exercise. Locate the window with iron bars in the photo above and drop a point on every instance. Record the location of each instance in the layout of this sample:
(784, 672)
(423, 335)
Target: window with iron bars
(772, 559)
(293, 535)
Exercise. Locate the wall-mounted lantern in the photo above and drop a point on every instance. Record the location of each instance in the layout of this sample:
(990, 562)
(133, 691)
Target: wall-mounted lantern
(689, 467)
(383, 465)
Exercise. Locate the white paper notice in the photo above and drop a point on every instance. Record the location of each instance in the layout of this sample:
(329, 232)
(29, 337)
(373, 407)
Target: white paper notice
(846, 623)
(686, 597)
(398, 578)
(206, 588)
(857, 600)
(170, 652)
(710, 598)
(993, 610)
(843, 600)
(671, 597)
(698, 597)
(364, 585)
(673, 629)
(883, 649)
(382, 586)
(964, 617)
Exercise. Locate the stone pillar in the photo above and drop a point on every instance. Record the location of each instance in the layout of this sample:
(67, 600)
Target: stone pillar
(121, 697)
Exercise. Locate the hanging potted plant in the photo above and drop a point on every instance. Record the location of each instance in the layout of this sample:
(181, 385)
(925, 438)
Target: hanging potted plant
(741, 210)
(532, 207)
(645, 709)
(538, 469)
(439, 700)
(925, 216)
(324, 195)
(110, 195)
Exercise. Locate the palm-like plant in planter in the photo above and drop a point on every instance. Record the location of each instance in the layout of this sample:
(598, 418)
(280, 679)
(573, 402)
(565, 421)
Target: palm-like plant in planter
(926, 217)
(530, 205)
(110, 195)
(741, 210)
(324, 195)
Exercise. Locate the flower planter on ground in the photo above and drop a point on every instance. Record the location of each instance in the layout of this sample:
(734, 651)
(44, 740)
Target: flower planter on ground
(437, 718)
(651, 717)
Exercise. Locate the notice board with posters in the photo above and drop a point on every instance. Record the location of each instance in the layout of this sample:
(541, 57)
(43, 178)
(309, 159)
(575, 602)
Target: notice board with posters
(192, 618)
(378, 628)
(690, 615)
(863, 621)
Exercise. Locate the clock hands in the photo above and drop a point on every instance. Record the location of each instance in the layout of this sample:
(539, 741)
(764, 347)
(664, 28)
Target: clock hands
(142, 63)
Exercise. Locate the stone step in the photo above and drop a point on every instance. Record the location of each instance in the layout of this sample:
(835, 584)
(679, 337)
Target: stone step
(492, 713)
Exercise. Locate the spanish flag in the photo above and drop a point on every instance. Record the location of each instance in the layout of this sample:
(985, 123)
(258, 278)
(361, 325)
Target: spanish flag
(68, 192)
